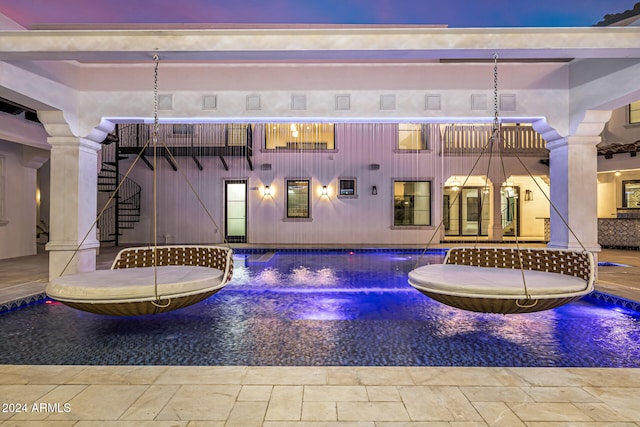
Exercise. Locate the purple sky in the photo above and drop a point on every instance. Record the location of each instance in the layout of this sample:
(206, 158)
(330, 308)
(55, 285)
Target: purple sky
(454, 13)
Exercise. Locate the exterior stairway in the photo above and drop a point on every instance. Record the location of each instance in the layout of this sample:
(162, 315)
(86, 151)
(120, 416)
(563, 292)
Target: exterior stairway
(123, 211)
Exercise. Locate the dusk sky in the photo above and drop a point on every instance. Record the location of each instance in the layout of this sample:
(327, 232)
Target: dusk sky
(454, 13)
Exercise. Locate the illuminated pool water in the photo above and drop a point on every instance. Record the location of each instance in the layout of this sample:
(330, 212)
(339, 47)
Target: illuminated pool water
(324, 308)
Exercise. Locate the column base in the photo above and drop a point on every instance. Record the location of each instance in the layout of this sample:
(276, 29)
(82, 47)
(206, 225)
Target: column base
(84, 259)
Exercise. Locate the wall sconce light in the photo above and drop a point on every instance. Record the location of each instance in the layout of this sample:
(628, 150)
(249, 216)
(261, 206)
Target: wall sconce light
(528, 195)
(267, 191)
(374, 190)
(325, 191)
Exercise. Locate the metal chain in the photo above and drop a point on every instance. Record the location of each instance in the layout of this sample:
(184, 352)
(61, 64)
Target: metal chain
(155, 100)
(496, 119)
(496, 138)
(155, 182)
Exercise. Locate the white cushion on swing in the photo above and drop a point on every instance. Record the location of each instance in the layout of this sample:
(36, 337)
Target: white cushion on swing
(134, 284)
(491, 282)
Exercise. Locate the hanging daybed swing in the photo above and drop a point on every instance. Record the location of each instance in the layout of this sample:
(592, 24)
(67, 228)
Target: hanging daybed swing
(506, 280)
(152, 279)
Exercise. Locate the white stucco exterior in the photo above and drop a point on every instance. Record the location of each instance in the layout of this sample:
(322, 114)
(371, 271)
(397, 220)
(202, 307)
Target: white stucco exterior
(566, 82)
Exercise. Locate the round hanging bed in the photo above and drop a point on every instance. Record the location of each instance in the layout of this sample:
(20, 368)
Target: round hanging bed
(181, 276)
(507, 280)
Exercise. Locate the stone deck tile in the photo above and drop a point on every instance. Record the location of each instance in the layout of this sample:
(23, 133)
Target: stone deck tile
(150, 403)
(534, 411)
(496, 394)
(560, 394)
(247, 414)
(200, 402)
(319, 424)
(255, 393)
(38, 374)
(136, 424)
(498, 414)
(378, 393)
(460, 376)
(372, 411)
(319, 403)
(285, 403)
(295, 375)
(117, 375)
(622, 400)
(101, 402)
(438, 403)
(18, 399)
(202, 375)
(319, 411)
(335, 393)
(57, 396)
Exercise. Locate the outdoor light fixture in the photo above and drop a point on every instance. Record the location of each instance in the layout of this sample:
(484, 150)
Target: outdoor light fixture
(528, 195)
(267, 191)
(325, 191)
(374, 190)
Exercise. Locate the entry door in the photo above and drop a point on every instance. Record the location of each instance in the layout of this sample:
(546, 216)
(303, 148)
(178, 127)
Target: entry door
(510, 211)
(236, 211)
(466, 212)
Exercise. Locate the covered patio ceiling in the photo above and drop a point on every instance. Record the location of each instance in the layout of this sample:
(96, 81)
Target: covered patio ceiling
(319, 43)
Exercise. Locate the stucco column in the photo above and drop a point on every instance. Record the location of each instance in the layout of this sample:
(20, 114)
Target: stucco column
(495, 224)
(573, 190)
(74, 165)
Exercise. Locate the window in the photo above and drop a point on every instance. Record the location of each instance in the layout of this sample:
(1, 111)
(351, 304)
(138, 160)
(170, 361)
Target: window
(412, 136)
(238, 134)
(299, 136)
(412, 203)
(298, 198)
(631, 194)
(347, 187)
(634, 113)
(182, 129)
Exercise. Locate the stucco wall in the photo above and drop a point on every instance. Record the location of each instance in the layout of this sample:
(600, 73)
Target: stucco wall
(367, 219)
(18, 236)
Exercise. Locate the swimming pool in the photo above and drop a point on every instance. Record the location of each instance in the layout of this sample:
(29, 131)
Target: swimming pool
(324, 308)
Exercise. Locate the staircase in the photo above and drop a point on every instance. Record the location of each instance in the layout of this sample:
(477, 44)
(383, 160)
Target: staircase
(123, 212)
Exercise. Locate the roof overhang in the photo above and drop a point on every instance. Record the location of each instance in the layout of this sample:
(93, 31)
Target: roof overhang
(282, 44)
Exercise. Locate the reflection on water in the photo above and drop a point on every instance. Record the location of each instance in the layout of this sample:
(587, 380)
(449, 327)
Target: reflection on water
(334, 308)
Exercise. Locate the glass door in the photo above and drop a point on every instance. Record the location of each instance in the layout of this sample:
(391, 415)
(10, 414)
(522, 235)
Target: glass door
(510, 210)
(236, 211)
(466, 212)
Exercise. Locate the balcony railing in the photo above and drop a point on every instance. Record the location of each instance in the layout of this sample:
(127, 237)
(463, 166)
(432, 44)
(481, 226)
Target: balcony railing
(460, 140)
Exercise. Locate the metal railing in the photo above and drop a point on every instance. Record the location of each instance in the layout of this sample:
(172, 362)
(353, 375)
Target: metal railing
(469, 139)
(193, 135)
(123, 212)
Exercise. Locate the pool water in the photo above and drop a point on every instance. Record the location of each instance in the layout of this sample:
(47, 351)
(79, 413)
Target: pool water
(333, 308)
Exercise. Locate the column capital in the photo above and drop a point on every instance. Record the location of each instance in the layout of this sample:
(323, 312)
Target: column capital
(58, 128)
(590, 122)
(585, 141)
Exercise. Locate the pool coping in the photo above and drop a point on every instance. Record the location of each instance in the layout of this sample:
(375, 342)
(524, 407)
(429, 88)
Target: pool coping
(605, 297)
(597, 295)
